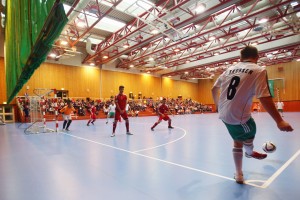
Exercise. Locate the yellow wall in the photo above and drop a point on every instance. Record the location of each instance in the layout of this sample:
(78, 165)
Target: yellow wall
(290, 73)
(2, 82)
(171, 88)
(95, 83)
(79, 81)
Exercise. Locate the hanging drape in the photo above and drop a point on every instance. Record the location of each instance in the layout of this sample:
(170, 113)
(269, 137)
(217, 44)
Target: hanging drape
(30, 31)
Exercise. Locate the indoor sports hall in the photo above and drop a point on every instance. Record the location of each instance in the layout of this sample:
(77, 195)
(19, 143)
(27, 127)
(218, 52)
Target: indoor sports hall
(62, 63)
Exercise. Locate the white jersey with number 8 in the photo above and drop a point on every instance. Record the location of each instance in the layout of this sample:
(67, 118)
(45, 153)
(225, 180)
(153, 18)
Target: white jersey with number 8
(239, 84)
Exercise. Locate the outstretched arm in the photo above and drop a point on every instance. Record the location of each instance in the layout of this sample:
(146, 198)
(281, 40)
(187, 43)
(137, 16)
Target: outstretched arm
(215, 94)
(270, 107)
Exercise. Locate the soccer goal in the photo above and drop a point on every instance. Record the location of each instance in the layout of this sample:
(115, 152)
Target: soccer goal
(38, 111)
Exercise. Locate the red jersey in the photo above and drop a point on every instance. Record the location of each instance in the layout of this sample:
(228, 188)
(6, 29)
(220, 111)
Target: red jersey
(163, 108)
(121, 100)
(93, 110)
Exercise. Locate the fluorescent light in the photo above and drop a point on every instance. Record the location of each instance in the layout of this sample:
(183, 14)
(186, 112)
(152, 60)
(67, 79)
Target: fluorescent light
(201, 8)
(52, 55)
(154, 31)
(108, 24)
(63, 42)
(263, 20)
(211, 38)
(295, 3)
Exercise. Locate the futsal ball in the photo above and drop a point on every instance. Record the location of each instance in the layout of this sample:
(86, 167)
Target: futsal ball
(269, 147)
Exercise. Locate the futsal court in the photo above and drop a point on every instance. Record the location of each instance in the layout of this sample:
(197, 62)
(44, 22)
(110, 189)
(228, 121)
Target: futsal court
(192, 161)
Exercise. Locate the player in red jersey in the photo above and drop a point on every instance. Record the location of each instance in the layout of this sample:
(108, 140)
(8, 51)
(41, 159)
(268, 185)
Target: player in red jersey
(121, 101)
(163, 110)
(93, 114)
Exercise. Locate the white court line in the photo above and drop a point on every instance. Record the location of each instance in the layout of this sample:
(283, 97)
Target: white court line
(164, 143)
(153, 158)
(280, 170)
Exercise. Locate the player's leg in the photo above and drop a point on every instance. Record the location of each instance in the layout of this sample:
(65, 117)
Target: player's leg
(107, 116)
(125, 117)
(116, 119)
(89, 121)
(93, 119)
(65, 121)
(69, 122)
(237, 152)
(169, 122)
(155, 124)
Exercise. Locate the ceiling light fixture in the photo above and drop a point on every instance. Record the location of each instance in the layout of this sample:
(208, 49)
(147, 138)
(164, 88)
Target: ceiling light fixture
(126, 45)
(52, 55)
(154, 31)
(263, 20)
(200, 8)
(63, 42)
(211, 38)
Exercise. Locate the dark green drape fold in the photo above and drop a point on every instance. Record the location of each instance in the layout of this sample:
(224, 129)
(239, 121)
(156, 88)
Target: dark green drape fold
(31, 29)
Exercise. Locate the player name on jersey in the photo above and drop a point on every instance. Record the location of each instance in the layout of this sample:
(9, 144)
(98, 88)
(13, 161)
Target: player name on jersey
(240, 70)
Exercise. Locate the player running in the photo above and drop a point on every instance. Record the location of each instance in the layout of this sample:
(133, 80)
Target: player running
(93, 114)
(163, 111)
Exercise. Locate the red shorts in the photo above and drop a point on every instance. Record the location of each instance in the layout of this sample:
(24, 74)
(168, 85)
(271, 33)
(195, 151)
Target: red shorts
(118, 116)
(166, 117)
(93, 116)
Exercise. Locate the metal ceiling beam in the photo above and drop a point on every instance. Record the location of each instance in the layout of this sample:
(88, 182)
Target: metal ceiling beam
(289, 42)
(220, 27)
(106, 44)
(100, 17)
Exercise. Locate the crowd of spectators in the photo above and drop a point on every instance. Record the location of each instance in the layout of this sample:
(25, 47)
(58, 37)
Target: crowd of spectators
(177, 106)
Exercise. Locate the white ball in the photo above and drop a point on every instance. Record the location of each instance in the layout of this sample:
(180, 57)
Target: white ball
(269, 147)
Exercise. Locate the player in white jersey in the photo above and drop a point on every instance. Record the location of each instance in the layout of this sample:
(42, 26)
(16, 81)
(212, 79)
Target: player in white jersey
(238, 84)
(111, 111)
(279, 106)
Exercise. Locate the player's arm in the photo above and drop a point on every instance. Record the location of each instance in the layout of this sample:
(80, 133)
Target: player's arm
(215, 93)
(117, 106)
(270, 107)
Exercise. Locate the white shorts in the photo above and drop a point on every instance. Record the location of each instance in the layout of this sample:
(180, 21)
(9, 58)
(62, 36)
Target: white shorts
(67, 117)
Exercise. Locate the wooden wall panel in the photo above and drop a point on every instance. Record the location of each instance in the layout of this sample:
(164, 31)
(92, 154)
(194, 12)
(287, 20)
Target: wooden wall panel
(80, 81)
(147, 85)
(204, 94)
(93, 82)
(173, 88)
(289, 71)
(3, 97)
(291, 74)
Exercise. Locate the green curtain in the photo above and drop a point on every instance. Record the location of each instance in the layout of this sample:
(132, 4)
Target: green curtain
(271, 86)
(30, 30)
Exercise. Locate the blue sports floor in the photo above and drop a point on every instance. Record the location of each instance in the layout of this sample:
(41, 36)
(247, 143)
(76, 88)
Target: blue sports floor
(192, 161)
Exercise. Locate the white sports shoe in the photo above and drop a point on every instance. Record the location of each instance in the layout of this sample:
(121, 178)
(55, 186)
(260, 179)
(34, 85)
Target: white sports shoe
(128, 133)
(113, 135)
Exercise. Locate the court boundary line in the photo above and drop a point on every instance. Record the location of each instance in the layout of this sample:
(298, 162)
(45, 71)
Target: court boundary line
(173, 141)
(280, 170)
(163, 161)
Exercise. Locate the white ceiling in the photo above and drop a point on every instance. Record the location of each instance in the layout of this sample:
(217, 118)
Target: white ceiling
(186, 41)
